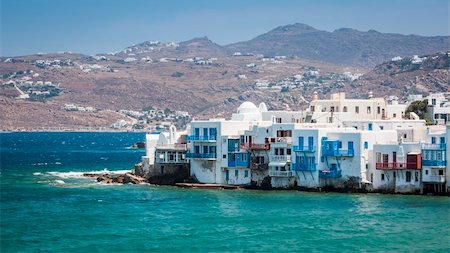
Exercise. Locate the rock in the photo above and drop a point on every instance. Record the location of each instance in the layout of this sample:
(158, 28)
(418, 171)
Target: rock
(129, 178)
(105, 178)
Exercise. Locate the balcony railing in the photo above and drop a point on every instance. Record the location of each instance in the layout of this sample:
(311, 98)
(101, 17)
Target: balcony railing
(202, 138)
(282, 140)
(241, 164)
(176, 146)
(159, 160)
(255, 146)
(338, 152)
(304, 166)
(437, 163)
(434, 146)
(275, 173)
(330, 173)
(201, 155)
(304, 148)
(397, 166)
(434, 178)
(280, 158)
(259, 166)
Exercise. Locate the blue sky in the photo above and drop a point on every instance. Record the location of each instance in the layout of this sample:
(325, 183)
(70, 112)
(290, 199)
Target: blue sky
(101, 26)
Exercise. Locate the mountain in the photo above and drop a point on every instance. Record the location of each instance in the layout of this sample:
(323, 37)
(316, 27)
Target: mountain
(344, 46)
(207, 80)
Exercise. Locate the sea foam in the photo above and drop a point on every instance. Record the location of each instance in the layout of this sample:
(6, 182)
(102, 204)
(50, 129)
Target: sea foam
(79, 174)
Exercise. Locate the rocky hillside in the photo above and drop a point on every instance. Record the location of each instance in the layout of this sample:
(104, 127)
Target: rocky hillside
(343, 46)
(202, 78)
(410, 75)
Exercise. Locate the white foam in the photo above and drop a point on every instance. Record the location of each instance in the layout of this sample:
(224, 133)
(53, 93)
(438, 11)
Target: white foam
(37, 173)
(79, 174)
(59, 182)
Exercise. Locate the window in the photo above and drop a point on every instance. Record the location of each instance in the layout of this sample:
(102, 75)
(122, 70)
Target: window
(416, 176)
(356, 109)
(205, 149)
(278, 120)
(224, 156)
(162, 169)
(371, 177)
(236, 173)
(310, 142)
(196, 149)
(312, 108)
(288, 151)
(246, 173)
(408, 176)
(369, 110)
(426, 172)
(394, 115)
(441, 172)
(344, 109)
(433, 101)
(332, 109)
(378, 110)
(404, 136)
(301, 142)
(196, 131)
(442, 140)
(366, 145)
(370, 126)
(382, 177)
(340, 144)
(433, 140)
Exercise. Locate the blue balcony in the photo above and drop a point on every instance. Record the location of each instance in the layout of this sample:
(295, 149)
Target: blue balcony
(201, 155)
(304, 149)
(332, 148)
(233, 164)
(304, 167)
(240, 159)
(429, 146)
(330, 173)
(201, 137)
(437, 163)
(338, 152)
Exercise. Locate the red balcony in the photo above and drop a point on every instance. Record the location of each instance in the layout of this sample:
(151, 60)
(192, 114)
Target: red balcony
(398, 166)
(255, 146)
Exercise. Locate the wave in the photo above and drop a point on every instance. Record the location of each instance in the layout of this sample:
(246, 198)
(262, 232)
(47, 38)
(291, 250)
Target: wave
(37, 173)
(59, 181)
(80, 174)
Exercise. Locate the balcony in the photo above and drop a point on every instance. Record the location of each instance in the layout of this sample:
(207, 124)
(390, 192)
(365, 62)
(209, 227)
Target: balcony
(397, 166)
(280, 140)
(259, 166)
(330, 173)
(429, 146)
(304, 167)
(205, 138)
(433, 179)
(207, 156)
(310, 149)
(275, 173)
(238, 163)
(338, 152)
(280, 158)
(255, 146)
(434, 163)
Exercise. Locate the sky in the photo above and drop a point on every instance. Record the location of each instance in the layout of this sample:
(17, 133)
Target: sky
(103, 26)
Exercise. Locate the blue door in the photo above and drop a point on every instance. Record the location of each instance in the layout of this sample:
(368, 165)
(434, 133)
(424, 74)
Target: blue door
(310, 142)
(227, 175)
(197, 132)
(205, 133)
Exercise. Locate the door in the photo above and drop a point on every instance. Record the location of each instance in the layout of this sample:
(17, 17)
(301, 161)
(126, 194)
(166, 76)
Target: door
(350, 146)
(197, 132)
(205, 133)
(300, 142)
(310, 142)
(227, 175)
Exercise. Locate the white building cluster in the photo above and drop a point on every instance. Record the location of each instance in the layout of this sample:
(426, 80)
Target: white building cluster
(337, 143)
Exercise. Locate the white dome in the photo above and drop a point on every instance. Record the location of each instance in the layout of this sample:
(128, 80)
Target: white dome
(247, 107)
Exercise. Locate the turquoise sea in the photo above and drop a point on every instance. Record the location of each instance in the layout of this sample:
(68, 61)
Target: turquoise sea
(47, 207)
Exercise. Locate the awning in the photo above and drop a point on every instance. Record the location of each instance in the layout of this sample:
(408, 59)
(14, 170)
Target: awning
(279, 164)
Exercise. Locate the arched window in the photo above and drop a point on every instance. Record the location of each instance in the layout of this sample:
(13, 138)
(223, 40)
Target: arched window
(344, 109)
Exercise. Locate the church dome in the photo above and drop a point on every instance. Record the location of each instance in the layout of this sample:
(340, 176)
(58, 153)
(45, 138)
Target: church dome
(247, 107)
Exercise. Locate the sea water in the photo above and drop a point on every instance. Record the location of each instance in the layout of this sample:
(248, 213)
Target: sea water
(47, 206)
